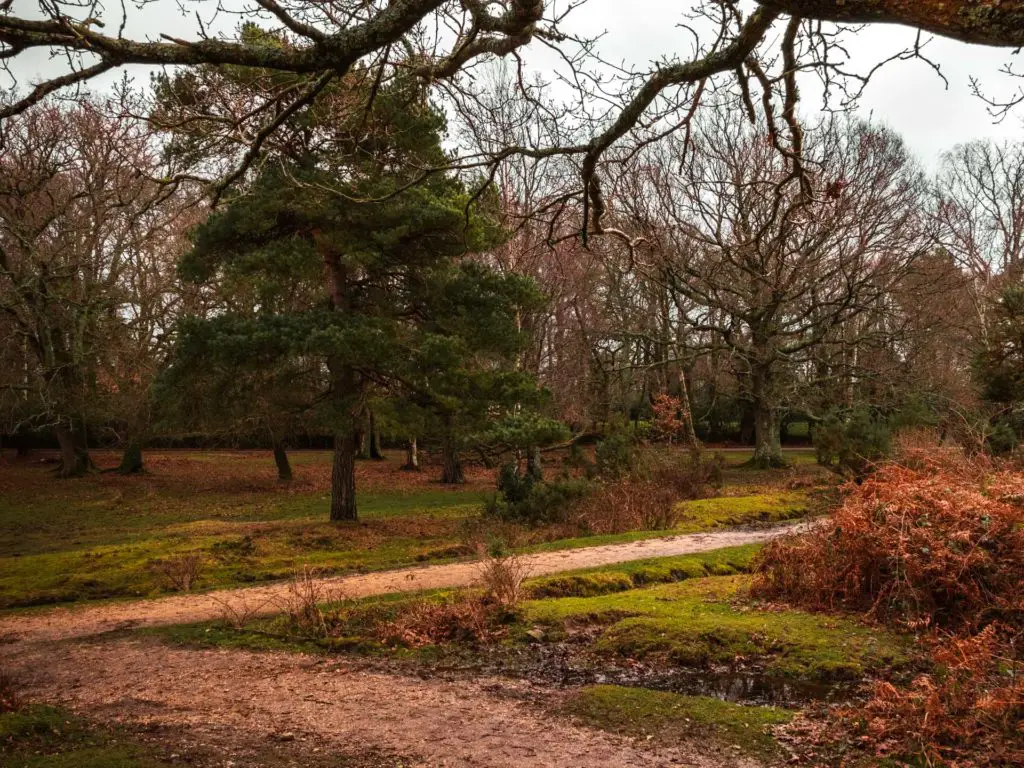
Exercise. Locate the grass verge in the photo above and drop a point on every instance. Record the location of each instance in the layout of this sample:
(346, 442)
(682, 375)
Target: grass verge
(668, 718)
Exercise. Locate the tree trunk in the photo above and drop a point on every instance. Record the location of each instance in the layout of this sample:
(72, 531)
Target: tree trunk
(68, 460)
(451, 471)
(360, 438)
(534, 465)
(343, 476)
(747, 426)
(284, 468)
(412, 456)
(74, 451)
(684, 402)
(767, 442)
(375, 452)
(131, 460)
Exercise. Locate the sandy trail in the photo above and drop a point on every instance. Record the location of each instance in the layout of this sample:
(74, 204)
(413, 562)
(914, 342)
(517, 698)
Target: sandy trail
(83, 621)
(326, 706)
(483, 723)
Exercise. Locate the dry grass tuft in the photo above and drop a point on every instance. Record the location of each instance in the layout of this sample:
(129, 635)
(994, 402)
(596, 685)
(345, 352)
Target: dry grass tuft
(179, 573)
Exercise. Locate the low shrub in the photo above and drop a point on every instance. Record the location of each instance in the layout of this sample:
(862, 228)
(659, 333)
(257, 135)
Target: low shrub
(179, 573)
(852, 445)
(968, 713)
(942, 545)
(937, 547)
(502, 573)
(523, 499)
(305, 603)
(615, 456)
(647, 497)
(466, 618)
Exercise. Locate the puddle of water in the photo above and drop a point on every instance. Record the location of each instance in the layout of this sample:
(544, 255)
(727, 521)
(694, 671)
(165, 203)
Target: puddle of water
(561, 665)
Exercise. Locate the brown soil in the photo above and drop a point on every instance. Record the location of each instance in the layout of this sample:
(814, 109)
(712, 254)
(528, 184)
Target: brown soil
(325, 706)
(305, 708)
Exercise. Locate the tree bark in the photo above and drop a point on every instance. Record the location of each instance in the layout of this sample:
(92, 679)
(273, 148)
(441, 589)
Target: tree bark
(284, 467)
(451, 471)
(343, 476)
(684, 402)
(360, 438)
(74, 452)
(68, 459)
(412, 456)
(375, 452)
(131, 460)
(534, 464)
(767, 441)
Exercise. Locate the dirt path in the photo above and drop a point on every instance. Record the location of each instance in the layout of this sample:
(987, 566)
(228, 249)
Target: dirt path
(83, 621)
(328, 707)
(319, 706)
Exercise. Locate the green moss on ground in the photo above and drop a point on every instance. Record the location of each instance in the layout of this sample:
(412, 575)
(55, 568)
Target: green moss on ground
(237, 548)
(592, 582)
(730, 511)
(45, 737)
(668, 717)
(702, 515)
(701, 622)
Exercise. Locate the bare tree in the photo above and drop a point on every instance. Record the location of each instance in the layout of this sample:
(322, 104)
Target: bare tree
(85, 272)
(979, 209)
(440, 40)
(769, 273)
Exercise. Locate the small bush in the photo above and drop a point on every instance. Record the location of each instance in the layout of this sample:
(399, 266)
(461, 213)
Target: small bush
(304, 603)
(967, 713)
(502, 574)
(852, 445)
(615, 456)
(179, 573)
(937, 545)
(533, 502)
(467, 618)
(647, 498)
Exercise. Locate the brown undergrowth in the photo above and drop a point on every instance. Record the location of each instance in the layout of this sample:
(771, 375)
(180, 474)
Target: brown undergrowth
(935, 545)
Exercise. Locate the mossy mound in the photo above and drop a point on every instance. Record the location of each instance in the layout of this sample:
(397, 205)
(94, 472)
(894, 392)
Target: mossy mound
(702, 622)
(670, 717)
(594, 582)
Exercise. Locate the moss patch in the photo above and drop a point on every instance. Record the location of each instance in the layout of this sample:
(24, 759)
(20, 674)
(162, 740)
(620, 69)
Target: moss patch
(592, 582)
(45, 737)
(729, 511)
(670, 717)
(702, 622)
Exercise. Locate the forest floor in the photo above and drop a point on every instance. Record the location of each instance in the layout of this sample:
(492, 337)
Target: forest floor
(167, 681)
(108, 536)
(190, 705)
(94, 619)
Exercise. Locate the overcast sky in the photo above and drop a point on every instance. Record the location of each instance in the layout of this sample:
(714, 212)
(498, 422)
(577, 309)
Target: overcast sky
(907, 96)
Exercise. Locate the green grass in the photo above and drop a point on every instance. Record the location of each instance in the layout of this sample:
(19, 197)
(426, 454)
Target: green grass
(703, 515)
(669, 718)
(103, 536)
(237, 548)
(729, 511)
(702, 622)
(45, 737)
(603, 580)
(693, 620)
